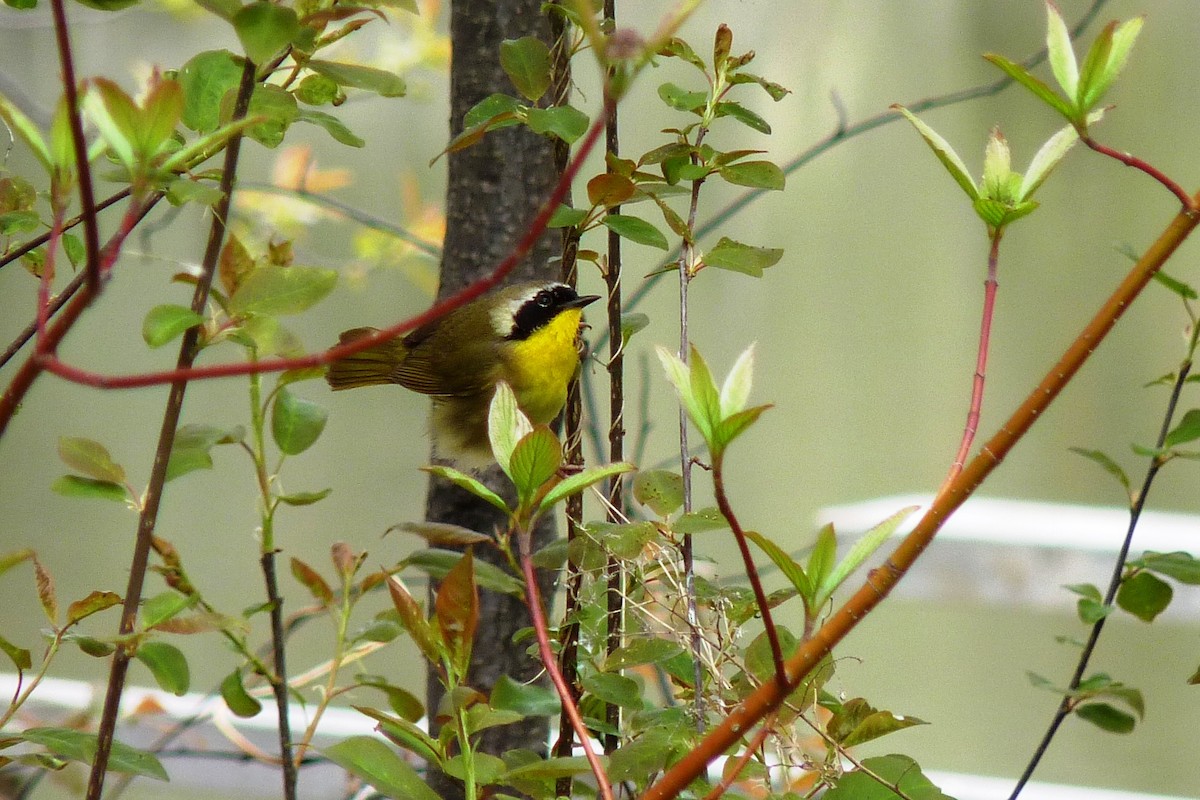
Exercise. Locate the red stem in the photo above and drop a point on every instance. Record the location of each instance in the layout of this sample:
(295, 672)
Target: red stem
(1131, 160)
(985, 333)
(546, 653)
(760, 596)
(87, 198)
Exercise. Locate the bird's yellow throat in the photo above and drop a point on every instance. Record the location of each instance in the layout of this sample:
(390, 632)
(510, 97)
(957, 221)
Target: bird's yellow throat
(540, 366)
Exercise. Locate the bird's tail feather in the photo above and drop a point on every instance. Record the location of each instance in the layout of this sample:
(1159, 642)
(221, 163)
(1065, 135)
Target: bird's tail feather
(375, 365)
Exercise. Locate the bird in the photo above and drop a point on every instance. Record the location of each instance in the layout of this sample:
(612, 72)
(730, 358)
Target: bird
(524, 334)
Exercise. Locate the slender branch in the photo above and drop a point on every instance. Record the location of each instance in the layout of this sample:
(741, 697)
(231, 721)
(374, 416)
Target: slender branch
(881, 581)
(985, 332)
(1131, 160)
(537, 613)
(51, 309)
(760, 596)
(1114, 582)
(614, 571)
(41, 239)
(730, 775)
(149, 514)
(87, 199)
(564, 746)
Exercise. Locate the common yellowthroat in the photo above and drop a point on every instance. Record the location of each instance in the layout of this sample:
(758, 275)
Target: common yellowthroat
(523, 334)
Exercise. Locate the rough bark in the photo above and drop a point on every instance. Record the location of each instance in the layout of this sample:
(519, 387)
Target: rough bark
(494, 189)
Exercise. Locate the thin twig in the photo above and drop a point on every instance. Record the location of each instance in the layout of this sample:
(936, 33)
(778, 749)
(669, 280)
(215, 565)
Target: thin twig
(149, 514)
(41, 239)
(760, 595)
(1135, 512)
(1131, 160)
(87, 199)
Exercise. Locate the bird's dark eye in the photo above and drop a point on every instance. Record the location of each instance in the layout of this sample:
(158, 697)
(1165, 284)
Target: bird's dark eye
(544, 299)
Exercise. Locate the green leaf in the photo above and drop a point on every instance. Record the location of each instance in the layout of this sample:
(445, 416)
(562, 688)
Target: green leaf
(702, 521)
(333, 126)
(1188, 430)
(574, 484)
(1039, 89)
(734, 426)
(528, 699)
(438, 563)
(75, 486)
(378, 765)
(755, 174)
(790, 569)
(1183, 567)
(535, 460)
(1061, 52)
(472, 485)
(116, 118)
(162, 607)
(191, 449)
(895, 770)
(91, 458)
(744, 116)
(206, 78)
(1175, 285)
(566, 217)
(166, 664)
(13, 223)
(165, 322)
(19, 656)
(857, 722)
(861, 550)
(776, 91)
(744, 258)
(944, 152)
(264, 29)
(632, 323)
(660, 490)
(507, 425)
(681, 99)
(1110, 466)
(295, 422)
(381, 82)
(1105, 60)
(641, 651)
(491, 107)
(526, 61)
(1107, 717)
(613, 688)
(566, 122)
(735, 391)
(635, 230)
(317, 90)
(240, 702)
(274, 109)
(1144, 596)
(279, 291)
(442, 534)
(680, 377)
(79, 746)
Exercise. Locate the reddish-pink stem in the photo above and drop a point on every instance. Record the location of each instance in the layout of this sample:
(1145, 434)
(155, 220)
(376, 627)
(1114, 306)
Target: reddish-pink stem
(985, 334)
(542, 632)
(47, 279)
(760, 595)
(1130, 160)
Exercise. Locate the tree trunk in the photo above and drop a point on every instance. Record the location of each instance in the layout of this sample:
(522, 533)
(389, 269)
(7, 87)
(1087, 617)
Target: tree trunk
(495, 187)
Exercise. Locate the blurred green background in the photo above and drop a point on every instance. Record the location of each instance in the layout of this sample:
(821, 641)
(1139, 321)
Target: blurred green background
(866, 336)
